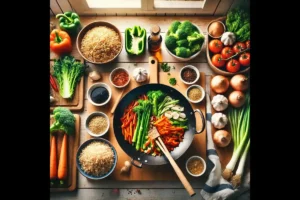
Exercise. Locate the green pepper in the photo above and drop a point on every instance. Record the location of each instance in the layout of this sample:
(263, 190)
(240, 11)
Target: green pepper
(69, 22)
(135, 40)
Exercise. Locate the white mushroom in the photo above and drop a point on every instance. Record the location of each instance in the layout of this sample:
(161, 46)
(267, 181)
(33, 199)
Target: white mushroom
(175, 115)
(168, 114)
(182, 115)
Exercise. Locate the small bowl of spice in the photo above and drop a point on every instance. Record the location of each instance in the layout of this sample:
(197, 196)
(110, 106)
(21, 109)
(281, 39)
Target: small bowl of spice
(195, 93)
(119, 77)
(97, 124)
(99, 94)
(195, 166)
(189, 74)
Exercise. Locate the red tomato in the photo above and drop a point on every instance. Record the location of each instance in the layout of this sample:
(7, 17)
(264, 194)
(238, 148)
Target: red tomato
(217, 60)
(227, 52)
(248, 43)
(215, 46)
(233, 66)
(238, 47)
(244, 59)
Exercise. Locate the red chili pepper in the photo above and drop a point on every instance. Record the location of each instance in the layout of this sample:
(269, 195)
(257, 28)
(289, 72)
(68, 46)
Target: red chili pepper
(53, 83)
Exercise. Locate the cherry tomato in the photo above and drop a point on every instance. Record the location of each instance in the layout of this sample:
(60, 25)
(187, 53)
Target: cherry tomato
(238, 47)
(233, 66)
(227, 52)
(244, 59)
(217, 60)
(248, 43)
(215, 46)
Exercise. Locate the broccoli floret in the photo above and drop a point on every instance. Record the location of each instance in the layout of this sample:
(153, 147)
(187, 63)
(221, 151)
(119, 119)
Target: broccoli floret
(195, 38)
(180, 34)
(194, 48)
(182, 43)
(64, 121)
(187, 27)
(174, 26)
(182, 52)
(155, 96)
(170, 42)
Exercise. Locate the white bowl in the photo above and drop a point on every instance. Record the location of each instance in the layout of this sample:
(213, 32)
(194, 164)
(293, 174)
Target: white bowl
(202, 91)
(204, 166)
(191, 57)
(224, 27)
(191, 67)
(95, 85)
(88, 120)
(113, 71)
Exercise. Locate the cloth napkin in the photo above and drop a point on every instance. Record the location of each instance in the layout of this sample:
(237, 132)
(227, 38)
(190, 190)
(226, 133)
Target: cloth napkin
(216, 187)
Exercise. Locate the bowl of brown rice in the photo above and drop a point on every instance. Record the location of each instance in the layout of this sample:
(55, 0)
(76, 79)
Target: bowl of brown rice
(97, 124)
(99, 42)
(96, 158)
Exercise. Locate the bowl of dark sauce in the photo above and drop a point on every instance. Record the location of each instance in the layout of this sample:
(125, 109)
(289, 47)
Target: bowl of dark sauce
(99, 94)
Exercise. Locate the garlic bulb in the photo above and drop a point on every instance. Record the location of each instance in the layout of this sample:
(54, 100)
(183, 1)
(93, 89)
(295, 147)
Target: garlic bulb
(219, 102)
(94, 75)
(219, 120)
(140, 74)
(228, 38)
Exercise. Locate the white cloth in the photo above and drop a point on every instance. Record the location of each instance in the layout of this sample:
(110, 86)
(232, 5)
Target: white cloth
(216, 187)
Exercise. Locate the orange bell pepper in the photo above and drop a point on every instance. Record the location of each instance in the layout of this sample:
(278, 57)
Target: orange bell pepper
(60, 42)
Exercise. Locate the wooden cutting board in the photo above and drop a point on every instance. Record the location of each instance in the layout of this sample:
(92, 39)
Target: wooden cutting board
(149, 173)
(73, 143)
(76, 103)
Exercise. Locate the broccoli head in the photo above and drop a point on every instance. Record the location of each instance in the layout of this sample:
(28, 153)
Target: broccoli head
(170, 42)
(182, 52)
(182, 43)
(174, 26)
(195, 38)
(155, 96)
(187, 27)
(64, 121)
(194, 48)
(180, 34)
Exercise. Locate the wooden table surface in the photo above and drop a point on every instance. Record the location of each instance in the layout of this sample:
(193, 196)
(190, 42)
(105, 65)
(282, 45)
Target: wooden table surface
(174, 190)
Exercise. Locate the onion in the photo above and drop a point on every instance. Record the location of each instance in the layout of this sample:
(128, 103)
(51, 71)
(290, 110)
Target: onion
(219, 84)
(237, 99)
(222, 138)
(239, 82)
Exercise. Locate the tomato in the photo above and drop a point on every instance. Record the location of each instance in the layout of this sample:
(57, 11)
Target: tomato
(248, 43)
(233, 66)
(217, 60)
(227, 52)
(244, 59)
(215, 46)
(239, 46)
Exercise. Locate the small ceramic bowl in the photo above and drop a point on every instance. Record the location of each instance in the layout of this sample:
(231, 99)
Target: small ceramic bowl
(202, 93)
(216, 37)
(97, 85)
(189, 67)
(88, 119)
(197, 158)
(116, 71)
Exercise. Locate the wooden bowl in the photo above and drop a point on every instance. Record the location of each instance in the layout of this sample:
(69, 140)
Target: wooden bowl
(88, 27)
(217, 70)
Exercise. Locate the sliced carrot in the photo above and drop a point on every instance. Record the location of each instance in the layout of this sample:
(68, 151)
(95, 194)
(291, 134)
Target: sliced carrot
(63, 159)
(53, 158)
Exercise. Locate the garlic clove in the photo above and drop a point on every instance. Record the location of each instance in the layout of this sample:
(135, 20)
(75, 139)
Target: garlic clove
(95, 76)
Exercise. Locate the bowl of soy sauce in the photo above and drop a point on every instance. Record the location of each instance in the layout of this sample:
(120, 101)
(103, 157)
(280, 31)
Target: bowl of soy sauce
(99, 94)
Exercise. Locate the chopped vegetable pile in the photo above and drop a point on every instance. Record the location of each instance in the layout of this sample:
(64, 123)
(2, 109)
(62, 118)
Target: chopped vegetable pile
(154, 109)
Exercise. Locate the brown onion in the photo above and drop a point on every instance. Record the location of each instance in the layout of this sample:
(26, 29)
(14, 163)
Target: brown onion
(237, 99)
(222, 138)
(219, 84)
(239, 82)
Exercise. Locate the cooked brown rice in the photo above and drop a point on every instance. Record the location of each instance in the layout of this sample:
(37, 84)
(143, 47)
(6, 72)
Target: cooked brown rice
(100, 44)
(97, 158)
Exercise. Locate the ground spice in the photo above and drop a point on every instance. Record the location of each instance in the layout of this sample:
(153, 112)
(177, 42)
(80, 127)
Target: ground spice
(194, 94)
(195, 166)
(120, 77)
(98, 124)
(189, 75)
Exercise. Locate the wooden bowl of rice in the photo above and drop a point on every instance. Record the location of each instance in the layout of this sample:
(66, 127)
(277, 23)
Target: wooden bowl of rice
(99, 42)
(96, 158)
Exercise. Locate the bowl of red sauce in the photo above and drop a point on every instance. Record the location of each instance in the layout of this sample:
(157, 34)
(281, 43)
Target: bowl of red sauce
(119, 77)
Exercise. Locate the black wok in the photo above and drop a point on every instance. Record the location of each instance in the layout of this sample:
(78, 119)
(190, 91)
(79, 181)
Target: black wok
(188, 135)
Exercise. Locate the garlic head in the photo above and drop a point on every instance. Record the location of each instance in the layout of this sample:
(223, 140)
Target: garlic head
(140, 74)
(219, 102)
(219, 120)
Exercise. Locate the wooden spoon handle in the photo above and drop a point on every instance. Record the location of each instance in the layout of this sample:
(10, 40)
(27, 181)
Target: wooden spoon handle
(178, 171)
(116, 102)
(153, 69)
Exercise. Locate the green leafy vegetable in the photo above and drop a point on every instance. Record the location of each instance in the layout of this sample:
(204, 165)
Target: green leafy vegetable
(64, 121)
(68, 73)
(165, 67)
(155, 96)
(172, 81)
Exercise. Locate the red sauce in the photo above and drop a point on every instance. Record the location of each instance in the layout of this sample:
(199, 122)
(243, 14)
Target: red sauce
(120, 77)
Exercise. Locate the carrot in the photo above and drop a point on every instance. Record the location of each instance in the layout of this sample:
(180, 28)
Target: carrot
(53, 159)
(63, 159)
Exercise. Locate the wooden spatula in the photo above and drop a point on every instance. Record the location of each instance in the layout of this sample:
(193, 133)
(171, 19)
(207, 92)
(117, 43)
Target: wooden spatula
(154, 134)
